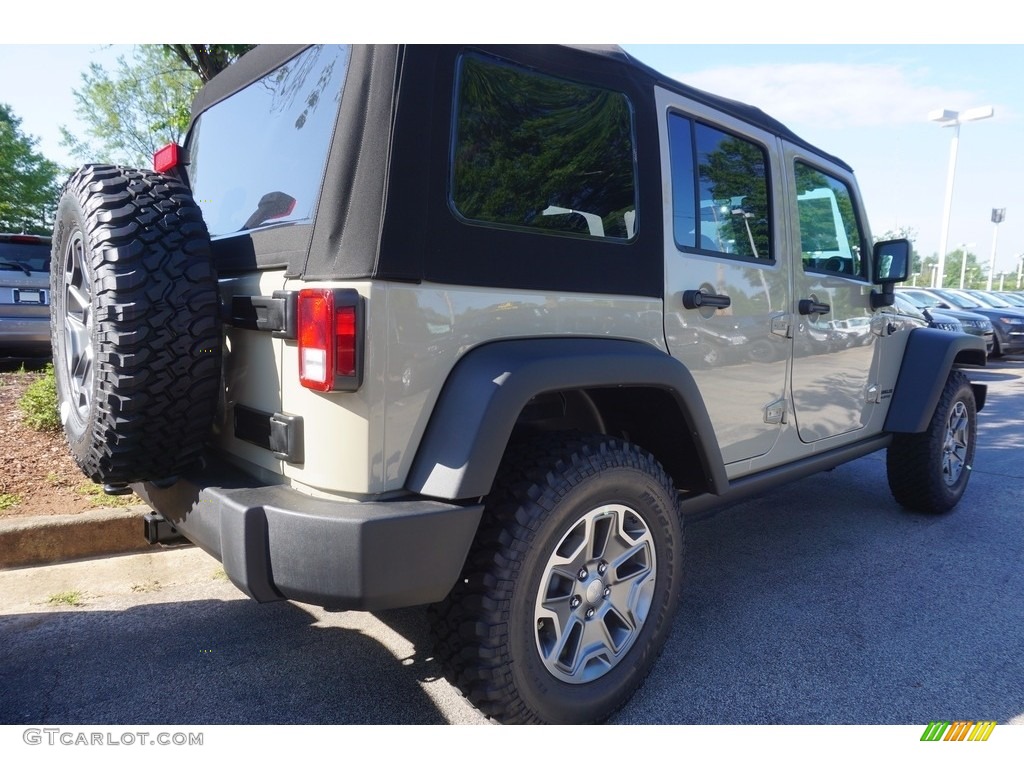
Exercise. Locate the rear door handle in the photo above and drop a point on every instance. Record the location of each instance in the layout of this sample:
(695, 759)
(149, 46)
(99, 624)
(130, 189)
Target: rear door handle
(697, 299)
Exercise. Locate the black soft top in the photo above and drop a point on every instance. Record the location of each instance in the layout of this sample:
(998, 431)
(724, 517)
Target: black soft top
(265, 58)
(383, 211)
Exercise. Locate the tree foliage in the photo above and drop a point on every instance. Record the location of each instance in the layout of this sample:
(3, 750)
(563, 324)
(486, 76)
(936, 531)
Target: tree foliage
(975, 273)
(144, 103)
(205, 59)
(28, 181)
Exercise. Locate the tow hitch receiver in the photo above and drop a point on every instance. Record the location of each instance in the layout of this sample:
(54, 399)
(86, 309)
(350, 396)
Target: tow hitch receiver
(158, 529)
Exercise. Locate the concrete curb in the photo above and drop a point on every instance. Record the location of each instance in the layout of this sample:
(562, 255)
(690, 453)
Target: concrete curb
(28, 541)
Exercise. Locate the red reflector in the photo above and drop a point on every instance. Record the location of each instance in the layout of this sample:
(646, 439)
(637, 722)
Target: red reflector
(345, 341)
(328, 336)
(166, 158)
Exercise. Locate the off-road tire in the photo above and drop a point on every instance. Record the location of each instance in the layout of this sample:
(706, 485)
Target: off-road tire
(928, 472)
(490, 630)
(135, 324)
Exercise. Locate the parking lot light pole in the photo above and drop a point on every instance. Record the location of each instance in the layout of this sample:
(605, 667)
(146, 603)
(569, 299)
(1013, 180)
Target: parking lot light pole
(949, 118)
(998, 214)
(963, 263)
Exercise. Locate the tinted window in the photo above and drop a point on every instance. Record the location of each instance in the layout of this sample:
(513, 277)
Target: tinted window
(719, 191)
(258, 157)
(21, 256)
(536, 151)
(829, 237)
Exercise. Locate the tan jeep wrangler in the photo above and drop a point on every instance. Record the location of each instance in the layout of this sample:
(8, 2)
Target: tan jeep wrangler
(474, 327)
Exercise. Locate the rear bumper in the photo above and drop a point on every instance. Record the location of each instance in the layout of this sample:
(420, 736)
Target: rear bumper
(24, 332)
(277, 543)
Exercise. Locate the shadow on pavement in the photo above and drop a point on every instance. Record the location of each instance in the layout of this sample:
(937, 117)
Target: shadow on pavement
(204, 662)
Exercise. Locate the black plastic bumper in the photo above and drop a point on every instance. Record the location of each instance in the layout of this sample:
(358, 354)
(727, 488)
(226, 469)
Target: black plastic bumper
(277, 543)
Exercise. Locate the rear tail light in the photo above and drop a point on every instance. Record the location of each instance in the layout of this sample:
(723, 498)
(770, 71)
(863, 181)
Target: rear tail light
(330, 339)
(166, 158)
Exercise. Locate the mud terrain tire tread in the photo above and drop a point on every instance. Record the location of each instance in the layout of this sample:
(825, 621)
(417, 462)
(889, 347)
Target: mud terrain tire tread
(155, 323)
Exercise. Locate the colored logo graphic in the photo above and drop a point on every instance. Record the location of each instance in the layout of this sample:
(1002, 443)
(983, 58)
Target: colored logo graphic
(961, 730)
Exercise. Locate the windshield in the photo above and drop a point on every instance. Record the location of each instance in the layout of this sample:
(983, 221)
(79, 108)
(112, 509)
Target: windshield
(959, 301)
(258, 157)
(988, 299)
(981, 300)
(918, 299)
(905, 306)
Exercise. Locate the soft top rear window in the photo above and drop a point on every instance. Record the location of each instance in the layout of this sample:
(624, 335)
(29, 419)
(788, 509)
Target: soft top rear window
(257, 158)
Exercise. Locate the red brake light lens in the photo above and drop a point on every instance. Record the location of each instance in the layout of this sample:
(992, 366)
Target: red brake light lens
(329, 338)
(166, 158)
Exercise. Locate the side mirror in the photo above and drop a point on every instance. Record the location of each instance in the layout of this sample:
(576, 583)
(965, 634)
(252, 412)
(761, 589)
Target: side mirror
(890, 264)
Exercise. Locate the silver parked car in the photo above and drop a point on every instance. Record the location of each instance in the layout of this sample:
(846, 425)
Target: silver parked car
(24, 294)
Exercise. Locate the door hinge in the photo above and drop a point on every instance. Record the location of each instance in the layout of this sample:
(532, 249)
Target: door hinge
(775, 413)
(781, 326)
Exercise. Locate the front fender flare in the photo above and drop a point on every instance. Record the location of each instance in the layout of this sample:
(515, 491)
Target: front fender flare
(487, 389)
(929, 356)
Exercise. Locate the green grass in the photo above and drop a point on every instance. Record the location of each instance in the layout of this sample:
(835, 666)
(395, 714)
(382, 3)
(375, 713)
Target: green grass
(98, 498)
(39, 403)
(71, 597)
(8, 500)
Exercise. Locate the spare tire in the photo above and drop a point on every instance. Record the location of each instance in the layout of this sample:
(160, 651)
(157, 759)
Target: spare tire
(135, 324)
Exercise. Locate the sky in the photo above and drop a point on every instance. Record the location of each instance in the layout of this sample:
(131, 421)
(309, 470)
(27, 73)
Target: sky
(865, 102)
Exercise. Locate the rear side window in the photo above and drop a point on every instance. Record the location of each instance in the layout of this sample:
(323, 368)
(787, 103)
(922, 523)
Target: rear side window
(538, 152)
(257, 158)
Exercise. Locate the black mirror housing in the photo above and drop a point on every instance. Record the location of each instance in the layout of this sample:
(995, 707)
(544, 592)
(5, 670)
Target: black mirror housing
(890, 261)
(890, 264)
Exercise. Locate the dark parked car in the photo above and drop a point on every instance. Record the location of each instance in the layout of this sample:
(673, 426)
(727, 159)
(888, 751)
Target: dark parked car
(972, 322)
(935, 318)
(1016, 299)
(24, 295)
(1007, 322)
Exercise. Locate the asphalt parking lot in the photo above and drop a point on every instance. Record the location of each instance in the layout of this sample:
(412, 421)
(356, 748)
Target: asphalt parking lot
(822, 602)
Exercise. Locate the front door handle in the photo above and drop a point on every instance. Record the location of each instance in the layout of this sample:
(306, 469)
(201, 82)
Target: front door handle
(813, 307)
(697, 299)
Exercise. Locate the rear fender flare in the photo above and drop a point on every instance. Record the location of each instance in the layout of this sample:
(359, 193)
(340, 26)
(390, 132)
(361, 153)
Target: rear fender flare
(487, 389)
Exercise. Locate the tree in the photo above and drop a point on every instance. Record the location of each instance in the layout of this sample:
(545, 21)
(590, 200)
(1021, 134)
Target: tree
(145, 103)
(205, 59)
(28, 181)
(974, 272)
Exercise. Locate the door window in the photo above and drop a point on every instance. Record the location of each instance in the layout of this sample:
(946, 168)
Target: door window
(719, 192)
(830, 239)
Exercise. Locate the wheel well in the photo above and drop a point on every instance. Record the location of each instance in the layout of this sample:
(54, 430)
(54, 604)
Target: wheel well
(646, 416)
